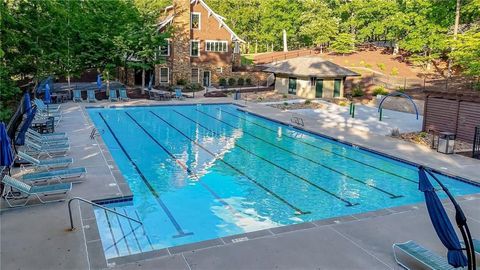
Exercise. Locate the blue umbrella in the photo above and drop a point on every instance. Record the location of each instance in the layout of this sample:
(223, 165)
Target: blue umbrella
(20, 140)
(27, 104)
(150, 82)
(47, 98)
(6, 157)
(441, 222)
(99, 82)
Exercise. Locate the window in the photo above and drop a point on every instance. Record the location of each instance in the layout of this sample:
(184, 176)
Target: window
(313, 81)
(165, 49)
(195, 75)
(194, 48)
(219, 69)
(236, 47)
(292, 85)
(216, 46)
(195, 20)
(164, 75)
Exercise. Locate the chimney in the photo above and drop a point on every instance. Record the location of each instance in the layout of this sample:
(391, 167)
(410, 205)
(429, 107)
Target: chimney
(181, 41)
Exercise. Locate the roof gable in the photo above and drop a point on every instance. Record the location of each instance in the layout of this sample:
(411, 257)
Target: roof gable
(309, 66)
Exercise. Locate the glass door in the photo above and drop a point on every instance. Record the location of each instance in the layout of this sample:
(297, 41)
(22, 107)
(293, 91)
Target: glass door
(292, 85)
(336, 87)
(206, 78)
(319, 88)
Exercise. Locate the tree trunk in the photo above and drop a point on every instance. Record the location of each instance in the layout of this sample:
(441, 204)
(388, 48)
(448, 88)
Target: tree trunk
(256, 46)
(143, 81)
(457, 19)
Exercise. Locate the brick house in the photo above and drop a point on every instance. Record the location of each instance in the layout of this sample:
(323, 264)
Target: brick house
(202, 48)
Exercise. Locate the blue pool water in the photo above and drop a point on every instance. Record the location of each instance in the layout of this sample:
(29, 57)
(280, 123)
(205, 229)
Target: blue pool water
(206, 171)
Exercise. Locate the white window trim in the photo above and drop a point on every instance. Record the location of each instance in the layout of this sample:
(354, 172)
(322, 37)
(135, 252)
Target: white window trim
(191, 42)
(220, 41)
(199, 20)
(160, 74)
(198, 75)
(219, 70)
(168, 48)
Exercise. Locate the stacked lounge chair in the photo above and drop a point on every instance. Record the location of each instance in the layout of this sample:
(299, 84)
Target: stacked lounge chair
(91, 96)
(40, 150)
(63, 175)
(46, 164)
(112, 95)
(123, 94)
(77, 96)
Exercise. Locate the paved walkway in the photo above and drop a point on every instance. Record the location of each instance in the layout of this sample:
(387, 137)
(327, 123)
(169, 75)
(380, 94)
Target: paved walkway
(36, 237)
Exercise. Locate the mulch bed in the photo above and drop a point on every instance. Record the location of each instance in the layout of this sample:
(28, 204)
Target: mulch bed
(424, 138)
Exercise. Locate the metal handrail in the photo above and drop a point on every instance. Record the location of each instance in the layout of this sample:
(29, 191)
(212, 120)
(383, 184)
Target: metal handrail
(96, 205)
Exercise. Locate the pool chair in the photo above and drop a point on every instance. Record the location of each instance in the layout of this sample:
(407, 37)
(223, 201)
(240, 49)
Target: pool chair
(70, 175)
(50, 108)
(47, 136)
(411, 255)
(91, 96)
(123, 94)
(27, 192)
(38, 150)
(112, 95)
(179, 95)
(47, 141)
(77, 96)
(46, 164)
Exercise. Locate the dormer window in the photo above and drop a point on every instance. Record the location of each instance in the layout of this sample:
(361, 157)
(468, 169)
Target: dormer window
(195, 20)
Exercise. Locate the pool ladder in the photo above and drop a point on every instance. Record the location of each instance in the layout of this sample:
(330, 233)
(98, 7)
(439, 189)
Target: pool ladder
(95, 132)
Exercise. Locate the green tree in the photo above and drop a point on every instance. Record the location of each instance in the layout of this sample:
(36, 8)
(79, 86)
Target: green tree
(467, 52)
(343, 43)
(319, 25)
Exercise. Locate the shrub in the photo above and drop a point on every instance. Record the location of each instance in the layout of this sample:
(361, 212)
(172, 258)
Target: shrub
(357, 91)
(231, 82)
(285, 103)
(400, 89)
(240, 82)
(284, 96)
(362, 63)
(248, 81)
(222, 82)
(193, 87)
(342, 103)
(308, 101)
(423, 134)
(182, 82)
(380, 90)
(367, 65)
(476, 86)
(381, 66)
(394, 71)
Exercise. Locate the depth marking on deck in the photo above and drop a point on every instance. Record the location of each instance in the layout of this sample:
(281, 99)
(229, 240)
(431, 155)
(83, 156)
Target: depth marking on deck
(392, 195)
(177, 226)
(298, 211)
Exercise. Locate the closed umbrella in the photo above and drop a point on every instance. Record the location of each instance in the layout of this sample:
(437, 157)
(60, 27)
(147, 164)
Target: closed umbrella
(20, 140)
(27, 104)
(441, 222)
(99, 82)
(6, 155)
(47, 98)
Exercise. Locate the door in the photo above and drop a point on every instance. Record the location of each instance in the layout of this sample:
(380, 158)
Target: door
(292, 85)
(336, 87)
(206, 78)
(319, 88)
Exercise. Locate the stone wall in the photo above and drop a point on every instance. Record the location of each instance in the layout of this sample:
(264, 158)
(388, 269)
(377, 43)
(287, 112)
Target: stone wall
(180, 45)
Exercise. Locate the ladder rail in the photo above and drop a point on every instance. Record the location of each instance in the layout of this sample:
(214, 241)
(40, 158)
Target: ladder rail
(72, 228)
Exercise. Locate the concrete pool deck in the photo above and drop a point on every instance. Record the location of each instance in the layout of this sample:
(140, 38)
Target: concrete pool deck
(36, 237)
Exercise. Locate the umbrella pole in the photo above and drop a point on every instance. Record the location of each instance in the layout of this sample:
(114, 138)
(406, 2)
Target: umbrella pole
(461, 221)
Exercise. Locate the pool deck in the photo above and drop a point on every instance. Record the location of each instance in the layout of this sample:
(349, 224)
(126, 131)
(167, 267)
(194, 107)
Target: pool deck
(36, 237)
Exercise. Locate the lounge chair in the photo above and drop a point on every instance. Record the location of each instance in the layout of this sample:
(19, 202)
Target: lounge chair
(50, 108)
(410, 255)
(47, 136)
(91, 96)
(71, 175)
(48, 141)
(46, 164)
(178, 94)
(48, 150)
(112, 95)
(27, 191)
(77, 96)
(123, 94)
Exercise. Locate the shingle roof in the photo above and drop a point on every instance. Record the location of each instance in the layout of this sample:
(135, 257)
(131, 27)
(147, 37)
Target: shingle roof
(309, 66)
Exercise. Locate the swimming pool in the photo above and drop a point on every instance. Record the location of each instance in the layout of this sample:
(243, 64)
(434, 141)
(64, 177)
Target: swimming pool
(201, 172)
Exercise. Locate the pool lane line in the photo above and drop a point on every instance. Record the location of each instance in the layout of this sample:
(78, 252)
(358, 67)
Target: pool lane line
(297, 210)
(183, 165)
(348, 203)
(321, 148)
(392, 195)
(177, 226)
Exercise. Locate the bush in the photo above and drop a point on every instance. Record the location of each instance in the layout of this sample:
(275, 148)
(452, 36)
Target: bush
(381, 66)
(401, 89)
(285, 103)
(357, 91)
(182, 82)
(380, 91)
(367, 65)
(284, 96)
(394, 71)
(476, 86)
(342, 103)
(222, 82)
(308, 101)
(240, 82)
(193, 87)
(231, 82)
(248, 81)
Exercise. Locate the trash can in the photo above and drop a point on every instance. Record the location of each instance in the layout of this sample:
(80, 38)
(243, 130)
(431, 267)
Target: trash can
(446, 142)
